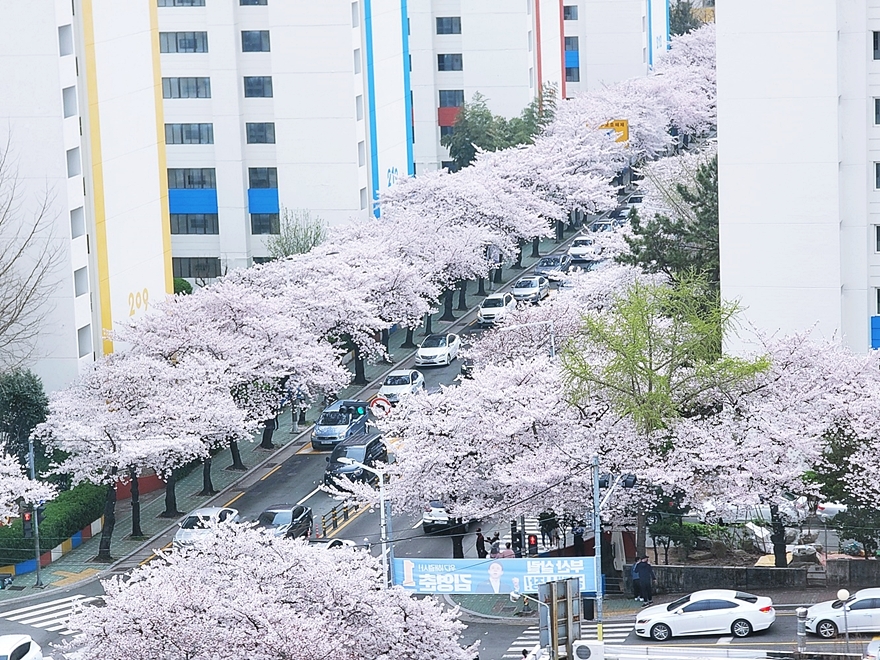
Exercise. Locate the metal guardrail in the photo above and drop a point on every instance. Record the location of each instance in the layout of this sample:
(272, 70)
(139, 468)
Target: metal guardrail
(331, 520)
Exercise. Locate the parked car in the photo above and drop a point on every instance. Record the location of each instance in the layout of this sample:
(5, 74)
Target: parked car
(435, 518)
(19, 647)
(602, 225)
(340, 420)
(196, 525)
(862, 611)
(709, 512)
(368, 449)
(438, 350)
(826, 511)
(494, 308)
(583, 249)
(292, 521)
(708, 612)
(400, 383)
(873, 651)
(531, 289)
(553, 266)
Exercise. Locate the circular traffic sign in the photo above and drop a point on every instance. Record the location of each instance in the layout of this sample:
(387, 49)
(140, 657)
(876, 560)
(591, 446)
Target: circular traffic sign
(380, 406)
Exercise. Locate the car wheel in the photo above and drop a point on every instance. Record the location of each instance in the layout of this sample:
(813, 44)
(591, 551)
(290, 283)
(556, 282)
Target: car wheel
(652, 518)
(660, 632)
(826, 630)
(741, 628)
(427, 529)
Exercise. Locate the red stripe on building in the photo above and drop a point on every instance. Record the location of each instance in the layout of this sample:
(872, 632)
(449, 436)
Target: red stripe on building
(447, 116)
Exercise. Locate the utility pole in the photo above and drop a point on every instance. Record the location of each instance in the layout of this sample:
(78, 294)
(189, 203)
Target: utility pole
(39, 582)
(597, 544)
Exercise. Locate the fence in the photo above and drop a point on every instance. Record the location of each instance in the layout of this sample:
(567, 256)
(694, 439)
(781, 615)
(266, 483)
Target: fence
(331, 520)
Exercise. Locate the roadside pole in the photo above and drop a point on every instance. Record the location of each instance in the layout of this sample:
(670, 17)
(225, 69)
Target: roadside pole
(36, 510)
(597, 544)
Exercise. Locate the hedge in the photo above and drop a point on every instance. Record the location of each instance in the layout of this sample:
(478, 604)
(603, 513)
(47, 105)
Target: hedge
(64, 516)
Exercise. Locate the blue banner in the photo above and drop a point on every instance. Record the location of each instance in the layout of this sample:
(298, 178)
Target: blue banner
(490, 576)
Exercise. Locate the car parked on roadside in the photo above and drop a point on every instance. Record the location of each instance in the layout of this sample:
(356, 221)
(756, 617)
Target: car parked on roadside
(438, 350)
(583, 249)
(368, 449)
(19, 647)
(494, 308)
(553, 266)
(197, 526)
(435, 517)
(401, 382)
(707, 612)
(340, 420)
(531, 289)
(292, 521)
(872, 652)
(859, 613)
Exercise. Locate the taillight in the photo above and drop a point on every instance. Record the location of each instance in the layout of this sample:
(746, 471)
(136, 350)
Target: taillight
(820, 508)
(427, 508)
(767, 609)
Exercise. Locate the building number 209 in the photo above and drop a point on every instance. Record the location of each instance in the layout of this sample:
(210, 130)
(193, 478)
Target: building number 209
(138, 301)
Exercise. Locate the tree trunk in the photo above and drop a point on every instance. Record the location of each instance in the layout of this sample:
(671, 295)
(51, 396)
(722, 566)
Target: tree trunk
(641, 535)
(409, 343)
(207, 484)
(481, 288)
(560, 231)
(268, 432)
(171, 497)
(778, 538)
(498, 275)
(135, 504)
(109, 522)
(519, 257)
(536, 248)
(429, 321)
(236, 457)
(457, 535)
(360, 374)
(462, 296)
(386, 339)
(447, 305)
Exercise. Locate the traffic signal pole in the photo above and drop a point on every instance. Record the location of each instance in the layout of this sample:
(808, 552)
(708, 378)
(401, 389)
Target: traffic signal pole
(36, 515)
(597, 544)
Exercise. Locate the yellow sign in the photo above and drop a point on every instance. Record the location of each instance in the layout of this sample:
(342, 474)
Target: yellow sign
(620, 126)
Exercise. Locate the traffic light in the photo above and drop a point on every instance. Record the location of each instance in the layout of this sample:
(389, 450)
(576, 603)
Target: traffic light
(533, 544)
(27, 524)
(41, 512)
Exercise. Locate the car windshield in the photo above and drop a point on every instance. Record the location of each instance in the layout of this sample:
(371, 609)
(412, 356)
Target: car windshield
(434, 342)
(526, 284)
(333, 418)
(355, 453)
(492, 302)
(194, 522)
(674, 605)
(582, 242)
(397, 380)
(275, 518)
(549, 261)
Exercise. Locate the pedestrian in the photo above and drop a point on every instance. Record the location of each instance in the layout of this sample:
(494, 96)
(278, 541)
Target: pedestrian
(554, 537)
(634, 573)
(481, 544)
(495, 546)
(507, 553)
(525, 653)
(578, 533)
(646, 580)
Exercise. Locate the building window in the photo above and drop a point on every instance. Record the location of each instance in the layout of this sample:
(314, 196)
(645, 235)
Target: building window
(446, 130)
(84, 340)
(183, 42)
(195, 223)
(80, 281)
(186, 88)
(262, 177)
(261, 260)
(77, 222)
(357, 60)
(181, 3)
(68, 101)
(189, 133)
(362, 154)
(260, 133)
(571, 43)
(572, 74)
(265, 223)
(449, 25)
(449, 62)
(195, 267)
(449, 165)
(877, 45)
(569, 13)
(355, 15)
(192, 178)
(252, 2)
(359, 107)
(74, 167)
(65, 40)
(877, 111)
(877, 238)
(258, 87)
(451, 98)
(255, 41)
(877, 176)
(363, 194)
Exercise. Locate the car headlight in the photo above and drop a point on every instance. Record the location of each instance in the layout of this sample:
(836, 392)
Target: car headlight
(358, 472)
(643, 621)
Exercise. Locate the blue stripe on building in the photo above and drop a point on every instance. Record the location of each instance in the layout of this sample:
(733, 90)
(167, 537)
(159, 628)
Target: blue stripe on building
(572, 59)
(875, 332)
(407, 89)
(650, 36)
(186, 200)
(371, 100)
(263, 200)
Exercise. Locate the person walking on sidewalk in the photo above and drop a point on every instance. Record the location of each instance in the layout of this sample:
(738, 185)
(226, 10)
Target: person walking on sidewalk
(634, 573)
(495, 546)
(481, 544)
(646, 580)
(507, 553)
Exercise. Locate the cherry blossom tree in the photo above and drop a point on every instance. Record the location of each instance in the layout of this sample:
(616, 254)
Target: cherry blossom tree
(16, 487)
(253, 595)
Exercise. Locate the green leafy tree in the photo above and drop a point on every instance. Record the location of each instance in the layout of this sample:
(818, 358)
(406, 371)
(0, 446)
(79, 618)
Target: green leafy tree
(682, 18)
(23, 405)
(182, 286)
(686, 243)
(298, 233)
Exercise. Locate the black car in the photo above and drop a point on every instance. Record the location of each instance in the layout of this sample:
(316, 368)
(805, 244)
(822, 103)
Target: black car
(291, 521)
(367, 449)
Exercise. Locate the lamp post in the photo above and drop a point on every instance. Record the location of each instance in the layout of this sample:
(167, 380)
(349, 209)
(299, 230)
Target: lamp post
(843, 596)
(384, 519)
(515, 596)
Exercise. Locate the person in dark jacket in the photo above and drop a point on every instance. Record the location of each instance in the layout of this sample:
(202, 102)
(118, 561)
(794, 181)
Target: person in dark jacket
(646, 580)
(637, 594)
(481, 544)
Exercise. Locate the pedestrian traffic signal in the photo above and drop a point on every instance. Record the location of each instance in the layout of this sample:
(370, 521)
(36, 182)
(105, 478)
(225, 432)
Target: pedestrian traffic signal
(27, 524)
(41, 511)
(533, 544)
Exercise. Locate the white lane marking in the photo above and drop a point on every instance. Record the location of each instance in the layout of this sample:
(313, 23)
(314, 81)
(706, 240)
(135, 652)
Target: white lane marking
(417, 525)
(41, 606)
(317, 489)
(724, 640)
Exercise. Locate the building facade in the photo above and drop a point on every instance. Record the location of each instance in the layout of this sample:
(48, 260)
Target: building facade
(799, 167)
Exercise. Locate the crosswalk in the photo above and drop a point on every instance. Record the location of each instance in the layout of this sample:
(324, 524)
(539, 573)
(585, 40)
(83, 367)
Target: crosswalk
(51, 616)
(614, 633)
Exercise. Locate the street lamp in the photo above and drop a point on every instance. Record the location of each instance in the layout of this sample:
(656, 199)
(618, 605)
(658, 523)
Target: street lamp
(843, 596)
(515, 596)
(384, 517)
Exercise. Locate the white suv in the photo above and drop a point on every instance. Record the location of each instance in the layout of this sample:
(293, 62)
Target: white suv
(434, 517)
(495, 307)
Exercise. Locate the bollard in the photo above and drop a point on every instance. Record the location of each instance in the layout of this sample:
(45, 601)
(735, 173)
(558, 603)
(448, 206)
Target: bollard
(801, 629)
(333, 517)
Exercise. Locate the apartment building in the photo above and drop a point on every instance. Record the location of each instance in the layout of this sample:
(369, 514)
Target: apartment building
(799, 167)
(508, 49)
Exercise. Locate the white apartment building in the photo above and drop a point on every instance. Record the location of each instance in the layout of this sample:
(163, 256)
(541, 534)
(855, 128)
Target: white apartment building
(508, 49)
(799, 166)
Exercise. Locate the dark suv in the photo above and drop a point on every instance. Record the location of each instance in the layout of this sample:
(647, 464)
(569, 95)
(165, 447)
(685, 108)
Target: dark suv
(340, 420)
(291, 521)
(368, 449)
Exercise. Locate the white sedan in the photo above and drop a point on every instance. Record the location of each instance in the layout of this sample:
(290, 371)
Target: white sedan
(438, 350)
(827, 619)
(19, 647)
(495, 307)
(708, 612)
(400, 383)
(197, 525)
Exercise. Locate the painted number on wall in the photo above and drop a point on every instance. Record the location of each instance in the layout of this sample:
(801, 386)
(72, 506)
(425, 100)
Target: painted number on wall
(392, 176)
(138, 301)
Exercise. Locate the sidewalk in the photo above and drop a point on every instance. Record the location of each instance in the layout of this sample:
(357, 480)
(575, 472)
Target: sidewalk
(78, 565)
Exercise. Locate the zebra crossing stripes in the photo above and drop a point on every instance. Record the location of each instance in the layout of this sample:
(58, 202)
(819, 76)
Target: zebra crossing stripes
(614, 633)
(51, 616)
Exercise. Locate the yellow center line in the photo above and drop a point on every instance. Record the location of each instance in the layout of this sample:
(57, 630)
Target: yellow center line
(234, 498)
(154, 555)
(344, 524)
(269, 473)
